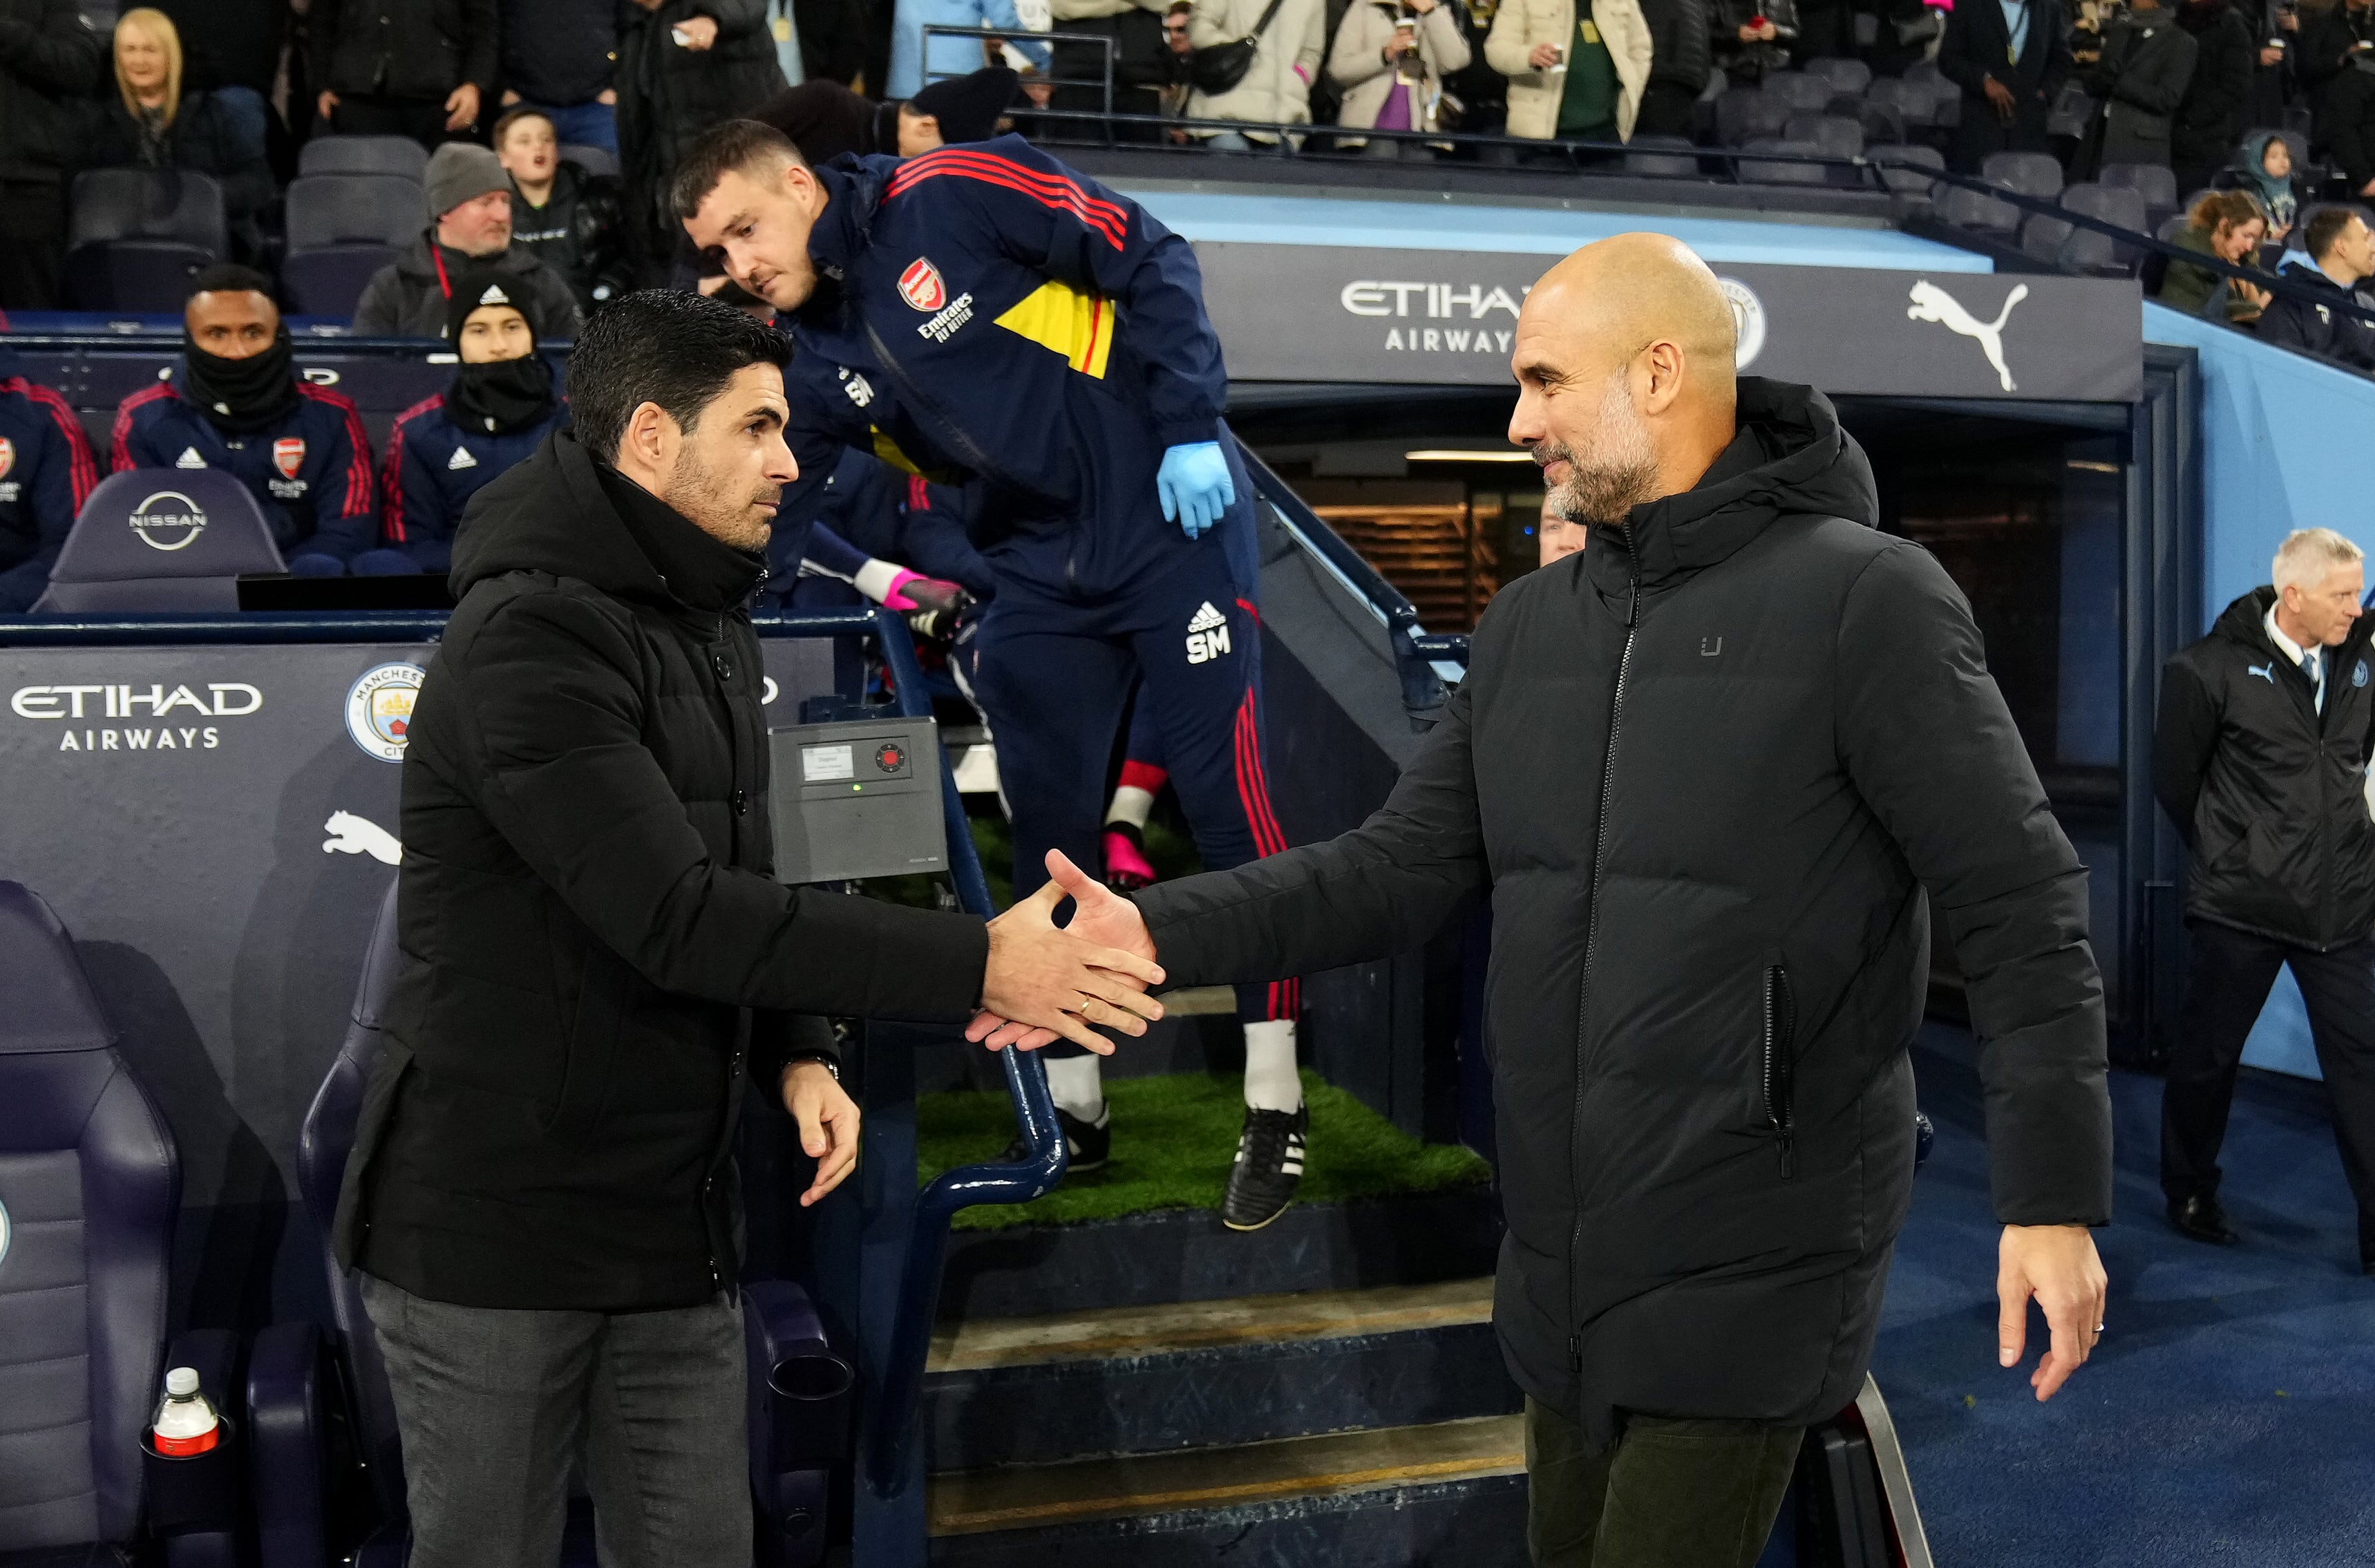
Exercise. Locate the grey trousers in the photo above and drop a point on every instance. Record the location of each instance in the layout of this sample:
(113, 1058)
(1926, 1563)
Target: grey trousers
(495, 1405)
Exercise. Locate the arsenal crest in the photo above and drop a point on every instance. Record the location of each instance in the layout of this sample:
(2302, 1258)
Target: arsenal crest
(7, 457)
(921, 286)
(289, 456)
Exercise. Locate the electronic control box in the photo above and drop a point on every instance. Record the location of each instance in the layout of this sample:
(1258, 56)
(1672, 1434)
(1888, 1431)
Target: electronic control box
(858, 799)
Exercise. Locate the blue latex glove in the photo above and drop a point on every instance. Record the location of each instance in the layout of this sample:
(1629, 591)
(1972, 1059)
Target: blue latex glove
(1195, 485)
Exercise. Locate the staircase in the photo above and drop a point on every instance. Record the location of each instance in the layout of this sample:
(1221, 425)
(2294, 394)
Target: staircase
(1158, 1390)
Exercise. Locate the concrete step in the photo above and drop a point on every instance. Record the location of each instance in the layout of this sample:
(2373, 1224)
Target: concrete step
(1163, 1258)
(1445, 1493)
(1143, 1380)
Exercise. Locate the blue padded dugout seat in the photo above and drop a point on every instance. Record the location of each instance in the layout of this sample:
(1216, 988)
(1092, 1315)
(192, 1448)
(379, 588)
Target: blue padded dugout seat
(152, 539)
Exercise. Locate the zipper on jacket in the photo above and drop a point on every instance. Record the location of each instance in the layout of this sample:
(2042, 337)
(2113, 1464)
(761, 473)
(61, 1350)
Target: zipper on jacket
(968, 449)
(1590, 941)
(1780, 1025)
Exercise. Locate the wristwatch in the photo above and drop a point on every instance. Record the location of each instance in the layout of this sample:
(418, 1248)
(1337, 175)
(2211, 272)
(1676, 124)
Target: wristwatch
(827, 1062)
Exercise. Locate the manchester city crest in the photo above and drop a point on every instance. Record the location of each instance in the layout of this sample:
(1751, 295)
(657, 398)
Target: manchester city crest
(379, 710)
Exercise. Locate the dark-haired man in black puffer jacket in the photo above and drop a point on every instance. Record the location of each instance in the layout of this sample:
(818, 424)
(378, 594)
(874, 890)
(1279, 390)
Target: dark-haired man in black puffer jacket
(1706, 771)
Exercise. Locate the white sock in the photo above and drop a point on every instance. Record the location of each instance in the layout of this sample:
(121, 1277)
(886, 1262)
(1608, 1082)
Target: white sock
(1078, 1088)
(1271, 1082)
(1131, 805)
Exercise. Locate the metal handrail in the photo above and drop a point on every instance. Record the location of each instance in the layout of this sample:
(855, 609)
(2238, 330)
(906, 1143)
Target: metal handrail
(1028, 35)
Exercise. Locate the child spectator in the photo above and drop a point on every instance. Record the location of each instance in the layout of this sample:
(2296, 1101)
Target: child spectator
(2265, 169)
(570, 220)
(472, 194)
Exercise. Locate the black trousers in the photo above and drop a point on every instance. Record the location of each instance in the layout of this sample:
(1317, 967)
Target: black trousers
(2227, 985)
(33, 243)
(368, 114)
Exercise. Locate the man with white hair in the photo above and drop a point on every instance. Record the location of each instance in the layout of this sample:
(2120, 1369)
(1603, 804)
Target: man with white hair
(2259, 755)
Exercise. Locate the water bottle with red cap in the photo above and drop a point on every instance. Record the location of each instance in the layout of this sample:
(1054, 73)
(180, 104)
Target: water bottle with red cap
(187, 1422)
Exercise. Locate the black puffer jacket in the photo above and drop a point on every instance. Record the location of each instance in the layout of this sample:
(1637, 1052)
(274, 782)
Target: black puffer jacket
(585, 910)
(421, 49)
(1681, 52)
(668, 95)
(2269, 793)
(49, 57)
(1705, 769)
(579, 234)
(2210, 117)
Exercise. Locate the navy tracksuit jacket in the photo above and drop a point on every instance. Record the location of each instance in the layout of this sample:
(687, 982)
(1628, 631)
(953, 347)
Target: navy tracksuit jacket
(987, 314)
(46, 473)
(309, 470)
(433, 467)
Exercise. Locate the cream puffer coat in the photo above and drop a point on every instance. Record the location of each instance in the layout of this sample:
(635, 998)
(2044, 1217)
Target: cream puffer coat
(1357, 62)
(1274, 90)
(1534, 95)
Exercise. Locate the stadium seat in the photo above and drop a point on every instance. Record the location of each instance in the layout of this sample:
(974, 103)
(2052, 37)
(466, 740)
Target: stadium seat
(90, 1195)
(2154, 181)
(1764, 172)
(134, 237)
(1908, 181)
(1742, 113)
(1978, 211)
(1662, 157)
(1880, 122)
(800, 1390)
(2112, 204)
(1848, 77)
(2072, 112)
(1803, 93)
(161, 539)
(342, 229)
(1912, 104)
(592, 159)
(2030, 173)
(364, 155)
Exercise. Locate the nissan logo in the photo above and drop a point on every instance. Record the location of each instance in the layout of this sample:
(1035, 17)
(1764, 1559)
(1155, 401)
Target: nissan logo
(168, 520)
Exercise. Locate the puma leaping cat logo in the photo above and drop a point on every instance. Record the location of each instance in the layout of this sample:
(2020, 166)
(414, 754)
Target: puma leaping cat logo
(350, 835)
(1934, 304)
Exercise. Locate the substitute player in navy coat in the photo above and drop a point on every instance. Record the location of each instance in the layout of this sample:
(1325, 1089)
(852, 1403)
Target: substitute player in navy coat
(983, 312)
(46, 473)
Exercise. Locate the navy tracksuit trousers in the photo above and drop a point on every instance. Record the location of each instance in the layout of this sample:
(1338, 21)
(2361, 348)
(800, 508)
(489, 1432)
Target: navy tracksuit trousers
(1055, 675)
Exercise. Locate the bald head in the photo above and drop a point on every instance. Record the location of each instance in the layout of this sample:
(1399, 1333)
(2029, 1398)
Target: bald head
(1624, 361)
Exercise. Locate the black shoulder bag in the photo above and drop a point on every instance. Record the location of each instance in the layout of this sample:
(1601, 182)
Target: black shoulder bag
(1220, 67)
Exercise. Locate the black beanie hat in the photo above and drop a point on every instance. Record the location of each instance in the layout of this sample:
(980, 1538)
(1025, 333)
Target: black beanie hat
(477, 285)
(968, 107)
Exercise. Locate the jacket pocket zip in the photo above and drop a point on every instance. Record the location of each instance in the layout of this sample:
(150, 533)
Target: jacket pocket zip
(1781, 1024)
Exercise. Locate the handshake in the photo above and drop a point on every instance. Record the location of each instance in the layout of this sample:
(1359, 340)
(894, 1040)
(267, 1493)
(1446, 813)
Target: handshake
(1046, 980)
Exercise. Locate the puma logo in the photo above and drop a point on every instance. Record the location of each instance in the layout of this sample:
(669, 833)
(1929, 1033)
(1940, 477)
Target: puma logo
(2266, 672)
(1933, 303)
(350, 835)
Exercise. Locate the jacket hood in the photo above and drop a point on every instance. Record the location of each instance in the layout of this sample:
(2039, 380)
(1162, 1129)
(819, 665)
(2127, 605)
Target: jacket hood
(2253, 174)
(553, 513)
(853, 187)
(1790, 455)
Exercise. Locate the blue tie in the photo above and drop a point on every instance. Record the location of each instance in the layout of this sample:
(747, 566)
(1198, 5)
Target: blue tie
(2314, 668)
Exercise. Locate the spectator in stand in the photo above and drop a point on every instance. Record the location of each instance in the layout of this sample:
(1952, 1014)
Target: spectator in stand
(683, 66)
(825, 120)
(558, 57)
(2229, 225)
(151, 123)
(2342, 255)
(572, 221)
(1141, 71)
(2274, 84)
(2140, 80)
(1576, 68)
(914, 67)
(2210, 117)
(1558, 535)
(2345, 125)
(46, 473)
(1276, 90)
(1389, 61)
(1750, 39)
(2010, 57)
(498, 408)
(1681, 55)
(416, 68)
(2265, 168)
(1170, 75)
(2330, 42)
(49, 58)
(412, 296)
(238, 403)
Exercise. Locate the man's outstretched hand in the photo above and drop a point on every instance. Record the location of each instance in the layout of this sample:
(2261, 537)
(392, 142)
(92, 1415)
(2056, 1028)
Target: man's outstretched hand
(1099, 915)
(1043, 981)
(2057, 1265)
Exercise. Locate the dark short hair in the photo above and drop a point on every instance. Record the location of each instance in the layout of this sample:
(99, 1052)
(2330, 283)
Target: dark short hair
(738, 145)
(2326, 226)
(514, 116)
(229, 277)
(662, 346)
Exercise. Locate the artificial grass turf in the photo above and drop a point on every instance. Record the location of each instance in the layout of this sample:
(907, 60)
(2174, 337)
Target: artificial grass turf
(1174, 1138)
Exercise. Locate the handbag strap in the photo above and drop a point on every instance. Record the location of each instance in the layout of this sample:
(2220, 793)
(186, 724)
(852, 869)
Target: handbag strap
(1267, 12)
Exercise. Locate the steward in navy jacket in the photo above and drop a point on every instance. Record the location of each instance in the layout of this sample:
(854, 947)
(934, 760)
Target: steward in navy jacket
(433, 469)
(46, 473)
(932, 268)
(310, 470)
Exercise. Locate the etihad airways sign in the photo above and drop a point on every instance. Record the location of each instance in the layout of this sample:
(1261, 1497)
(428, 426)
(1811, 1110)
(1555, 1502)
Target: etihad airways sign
(1338, 313)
